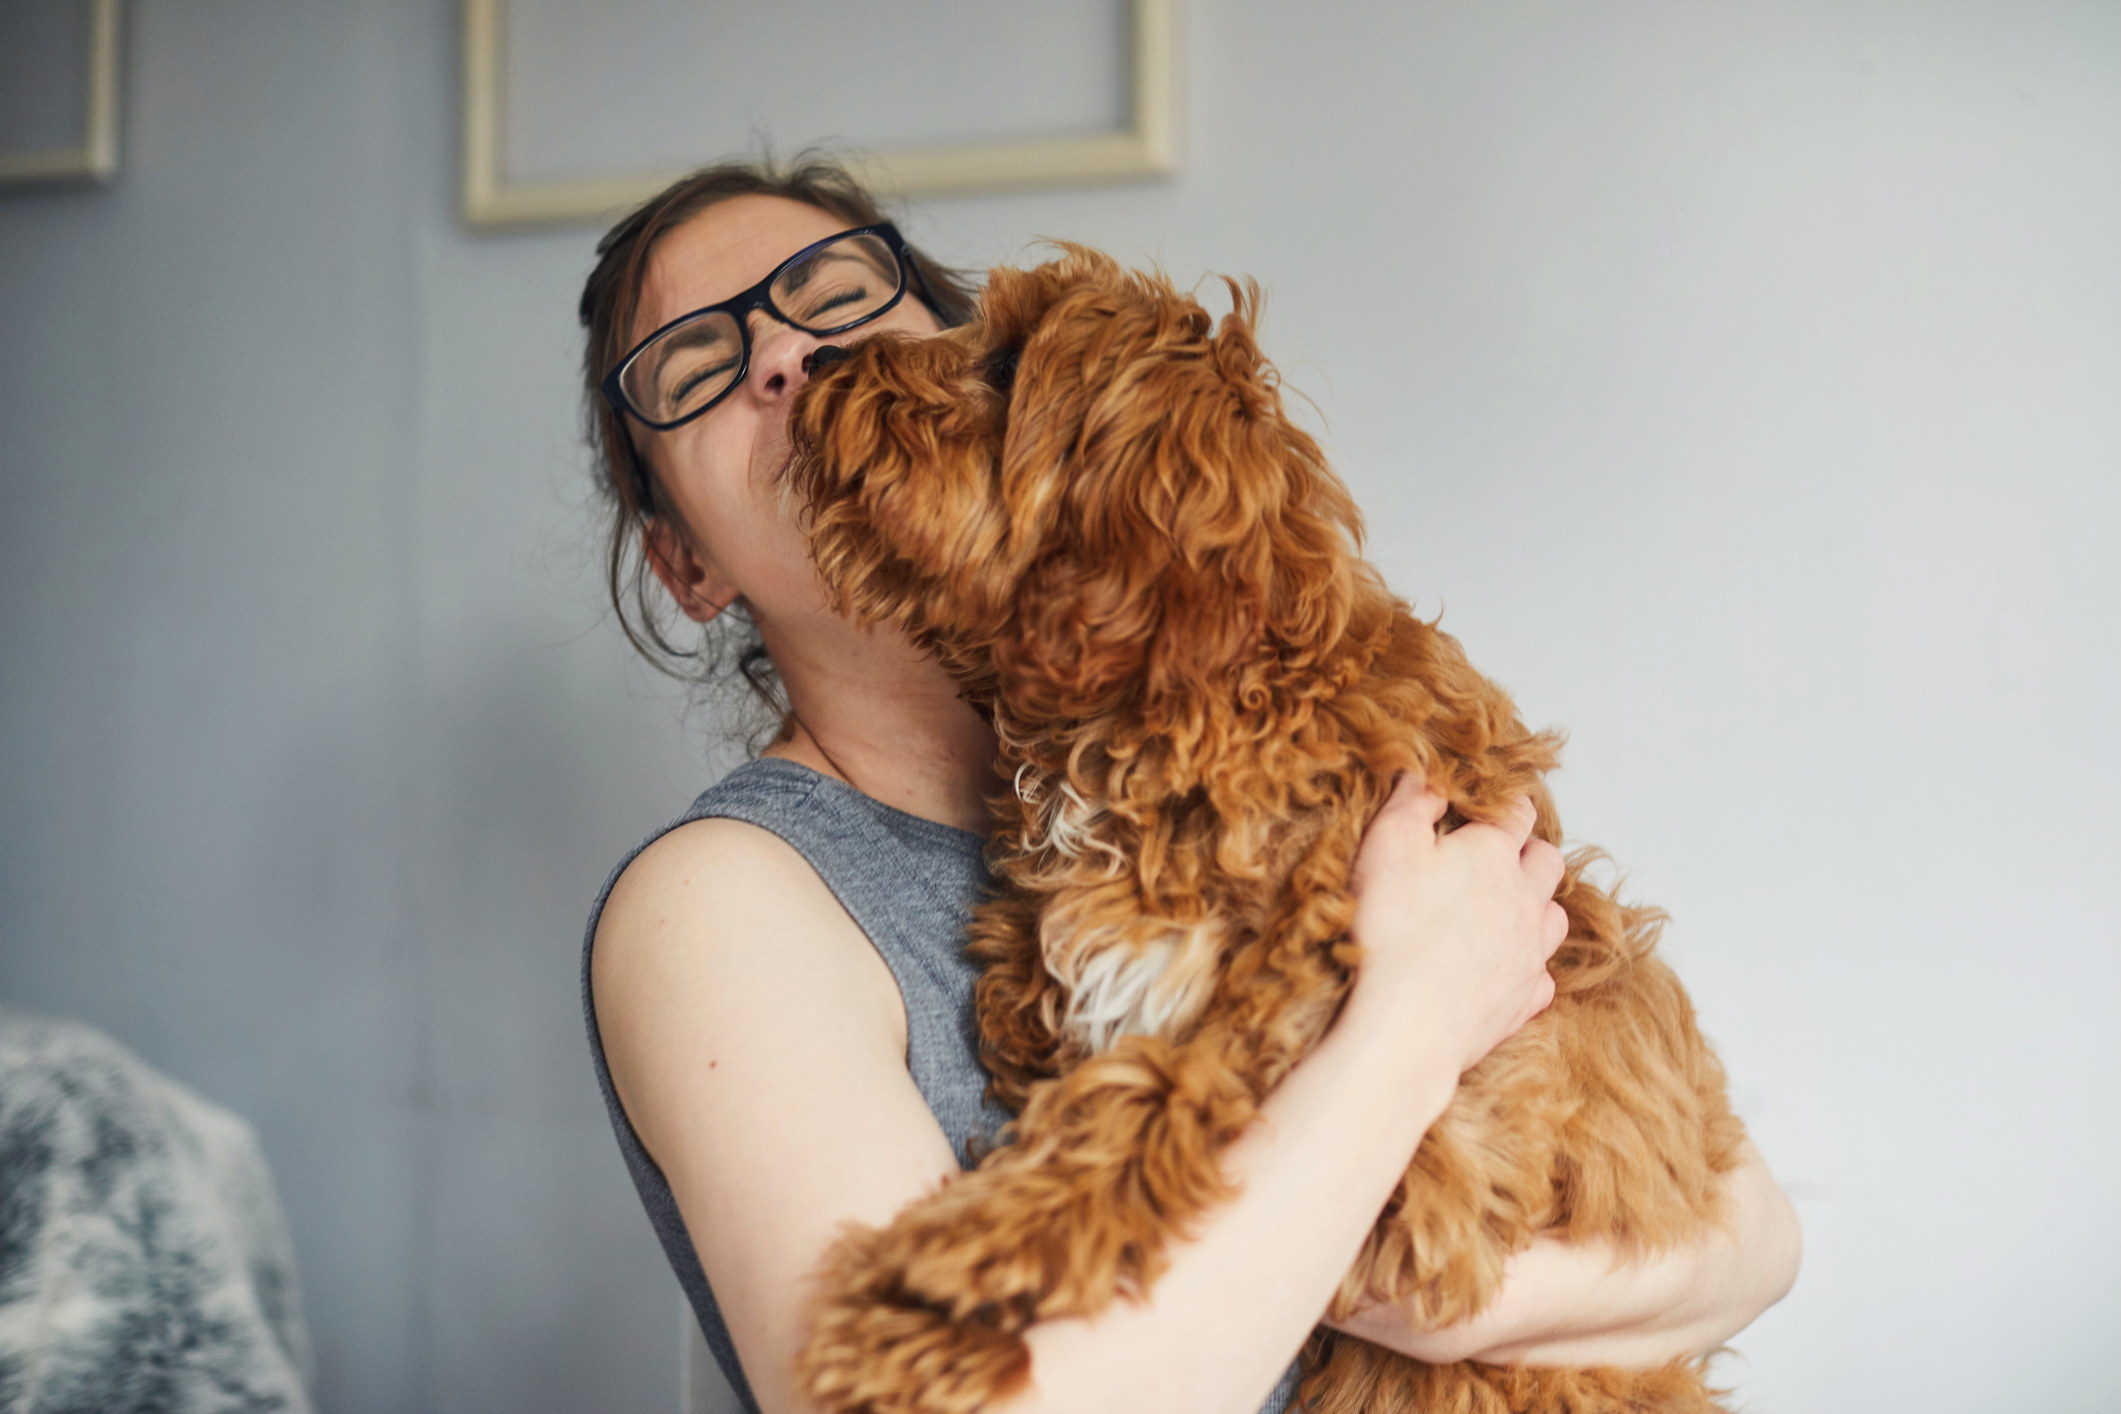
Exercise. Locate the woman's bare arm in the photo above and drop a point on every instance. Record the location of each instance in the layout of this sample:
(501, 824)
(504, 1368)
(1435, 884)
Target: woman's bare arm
(759, 1047)
(1581, 1304)
(758, 1044)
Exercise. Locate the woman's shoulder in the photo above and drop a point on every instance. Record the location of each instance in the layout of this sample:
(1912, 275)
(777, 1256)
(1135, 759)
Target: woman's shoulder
(720, 934)
(780, 827)
(713, 880)
(731, 899)
(723, 847)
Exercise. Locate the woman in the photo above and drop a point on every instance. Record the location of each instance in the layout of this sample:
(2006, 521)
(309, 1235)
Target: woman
(774, 986)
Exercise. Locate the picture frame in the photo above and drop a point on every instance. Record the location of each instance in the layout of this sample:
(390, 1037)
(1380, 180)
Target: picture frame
(1146, 146)
(95, 157)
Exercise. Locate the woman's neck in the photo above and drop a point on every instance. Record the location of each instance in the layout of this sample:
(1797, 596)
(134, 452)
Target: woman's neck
(872, 712)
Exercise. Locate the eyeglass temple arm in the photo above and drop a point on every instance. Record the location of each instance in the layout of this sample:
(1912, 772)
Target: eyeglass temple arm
(644, 482)
(920, 285)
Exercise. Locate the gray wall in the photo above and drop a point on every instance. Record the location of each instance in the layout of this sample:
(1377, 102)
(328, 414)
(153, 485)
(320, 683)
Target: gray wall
(1740, 380)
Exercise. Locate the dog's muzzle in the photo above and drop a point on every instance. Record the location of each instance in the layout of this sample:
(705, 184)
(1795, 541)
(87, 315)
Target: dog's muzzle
(824, 356)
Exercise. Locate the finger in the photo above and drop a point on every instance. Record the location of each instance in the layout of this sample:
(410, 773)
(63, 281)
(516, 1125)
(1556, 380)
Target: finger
(1414, 796)
(1544, 865)
(1402, 830)
(1553, 928)
(1542, 996)
(1518, 818)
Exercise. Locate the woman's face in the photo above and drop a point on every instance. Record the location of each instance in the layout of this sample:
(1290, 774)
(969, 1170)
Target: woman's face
(720, 471)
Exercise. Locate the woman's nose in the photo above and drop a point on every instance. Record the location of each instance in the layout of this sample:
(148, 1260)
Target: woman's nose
(780, 355)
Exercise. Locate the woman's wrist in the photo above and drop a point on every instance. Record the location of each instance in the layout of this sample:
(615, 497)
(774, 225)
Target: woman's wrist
(1583, 1304)
(1559, 1304)
(1385, 1020)
(1416, 1017)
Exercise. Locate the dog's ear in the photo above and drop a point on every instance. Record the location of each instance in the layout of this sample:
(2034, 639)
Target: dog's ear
(1197, 529)
(898, 444)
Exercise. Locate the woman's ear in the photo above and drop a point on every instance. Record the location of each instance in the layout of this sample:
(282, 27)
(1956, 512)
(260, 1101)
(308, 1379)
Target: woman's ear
(694, 581)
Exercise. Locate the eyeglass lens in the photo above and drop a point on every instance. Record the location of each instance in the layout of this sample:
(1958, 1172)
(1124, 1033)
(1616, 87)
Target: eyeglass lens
(834, 287)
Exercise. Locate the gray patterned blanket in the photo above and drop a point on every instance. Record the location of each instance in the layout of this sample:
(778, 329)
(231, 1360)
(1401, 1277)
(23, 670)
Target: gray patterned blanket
(145, 1267)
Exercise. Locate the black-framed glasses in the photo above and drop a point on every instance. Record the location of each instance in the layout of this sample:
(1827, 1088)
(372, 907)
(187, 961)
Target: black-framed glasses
(828, 287)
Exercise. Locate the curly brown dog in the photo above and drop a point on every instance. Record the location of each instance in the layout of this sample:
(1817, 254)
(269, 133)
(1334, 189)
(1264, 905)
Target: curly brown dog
(1091, 507)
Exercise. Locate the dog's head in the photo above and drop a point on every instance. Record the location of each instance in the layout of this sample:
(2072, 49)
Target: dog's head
(1092, 490)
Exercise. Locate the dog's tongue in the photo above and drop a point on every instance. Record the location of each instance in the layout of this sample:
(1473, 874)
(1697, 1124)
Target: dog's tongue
(824, 356)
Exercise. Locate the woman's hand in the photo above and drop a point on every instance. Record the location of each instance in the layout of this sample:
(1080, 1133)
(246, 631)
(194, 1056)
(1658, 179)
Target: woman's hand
(1580, 1304)
(1456, 928)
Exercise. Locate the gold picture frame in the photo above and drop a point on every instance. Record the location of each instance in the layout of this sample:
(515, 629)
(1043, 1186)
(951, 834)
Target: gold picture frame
(1146, 147)
(96, 158)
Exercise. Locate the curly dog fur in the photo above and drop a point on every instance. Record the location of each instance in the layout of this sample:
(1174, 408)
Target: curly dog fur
(1091, 507)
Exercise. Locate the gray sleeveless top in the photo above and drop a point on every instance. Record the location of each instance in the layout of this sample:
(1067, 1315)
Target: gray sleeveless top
(910, 885)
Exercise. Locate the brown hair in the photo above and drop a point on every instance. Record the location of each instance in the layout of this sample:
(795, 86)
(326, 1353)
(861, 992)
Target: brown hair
(728, 649)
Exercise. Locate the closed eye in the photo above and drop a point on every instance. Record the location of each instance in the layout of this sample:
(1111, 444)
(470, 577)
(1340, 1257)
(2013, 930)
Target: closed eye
(707, 374)
(851, 295)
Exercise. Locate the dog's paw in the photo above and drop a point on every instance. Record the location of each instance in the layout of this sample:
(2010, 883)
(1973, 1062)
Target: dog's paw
(899, 1359)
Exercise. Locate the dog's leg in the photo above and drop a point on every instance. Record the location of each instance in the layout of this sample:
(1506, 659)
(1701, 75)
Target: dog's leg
(927, 1315)
(1018, 1002)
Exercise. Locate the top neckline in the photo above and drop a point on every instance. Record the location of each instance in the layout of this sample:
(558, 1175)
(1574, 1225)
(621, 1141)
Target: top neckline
(962, 838)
